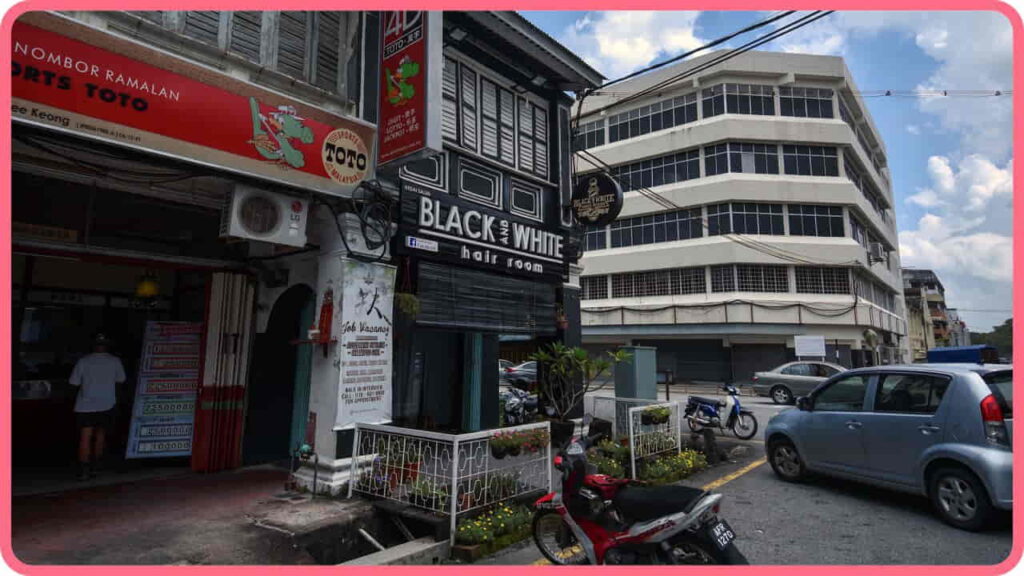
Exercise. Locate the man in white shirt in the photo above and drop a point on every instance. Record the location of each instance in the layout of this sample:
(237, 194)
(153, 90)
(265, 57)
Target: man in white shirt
(97, 376)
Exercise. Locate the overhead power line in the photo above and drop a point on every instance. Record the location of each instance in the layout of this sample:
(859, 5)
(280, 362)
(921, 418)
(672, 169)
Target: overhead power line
(782, 31)
(707, 46)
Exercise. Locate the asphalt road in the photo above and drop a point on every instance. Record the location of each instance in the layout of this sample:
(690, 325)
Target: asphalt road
(824, 521)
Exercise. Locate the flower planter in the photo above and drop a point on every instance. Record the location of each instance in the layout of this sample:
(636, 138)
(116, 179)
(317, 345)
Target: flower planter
(645, 419)
(515, 450)
(561, 433)
(468, 553)
(498, 451)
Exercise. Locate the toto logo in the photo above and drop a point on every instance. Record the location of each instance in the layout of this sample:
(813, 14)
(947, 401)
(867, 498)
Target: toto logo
(345, 157)
(597, 199)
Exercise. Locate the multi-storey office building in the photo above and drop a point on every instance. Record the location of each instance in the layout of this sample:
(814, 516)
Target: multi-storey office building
(780, 218)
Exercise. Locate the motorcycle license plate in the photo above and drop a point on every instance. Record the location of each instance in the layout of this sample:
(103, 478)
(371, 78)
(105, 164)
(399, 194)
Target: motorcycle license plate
(721, 534)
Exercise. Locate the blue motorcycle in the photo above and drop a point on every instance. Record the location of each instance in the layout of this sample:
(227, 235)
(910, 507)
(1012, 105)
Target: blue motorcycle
(703, 413)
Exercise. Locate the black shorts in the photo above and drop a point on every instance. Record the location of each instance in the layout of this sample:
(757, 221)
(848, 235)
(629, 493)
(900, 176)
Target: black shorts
(103, 420)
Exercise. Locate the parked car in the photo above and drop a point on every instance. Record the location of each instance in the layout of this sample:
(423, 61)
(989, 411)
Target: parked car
(502, 366)
(939, 430)
(522, 376)
(788, 381)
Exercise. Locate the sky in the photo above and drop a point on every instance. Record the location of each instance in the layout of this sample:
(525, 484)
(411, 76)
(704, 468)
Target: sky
(951, 158)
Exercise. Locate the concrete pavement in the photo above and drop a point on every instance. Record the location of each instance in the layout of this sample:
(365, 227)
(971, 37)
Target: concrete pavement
(825, 521)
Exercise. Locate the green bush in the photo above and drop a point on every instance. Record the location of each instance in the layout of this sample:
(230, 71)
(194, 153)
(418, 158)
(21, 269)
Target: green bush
(606, 465)
(672, 468)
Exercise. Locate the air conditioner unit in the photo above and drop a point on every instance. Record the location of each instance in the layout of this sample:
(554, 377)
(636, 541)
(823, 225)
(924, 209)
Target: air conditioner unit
(876, 252)
(256, 214)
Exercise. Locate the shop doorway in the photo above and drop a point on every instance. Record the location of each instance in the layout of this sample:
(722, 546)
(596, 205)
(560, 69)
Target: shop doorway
(278, 403)
(60, 302)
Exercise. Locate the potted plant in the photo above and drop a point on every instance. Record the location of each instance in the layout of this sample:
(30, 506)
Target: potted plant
(408, 303)
(515, 444)
(535, 440)
(411, 462)
(428, 495)
(499, 444)
(655, 415)
(567, 375)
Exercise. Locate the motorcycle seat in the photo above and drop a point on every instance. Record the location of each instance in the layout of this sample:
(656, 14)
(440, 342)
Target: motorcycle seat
(711, 401)
(640, 503)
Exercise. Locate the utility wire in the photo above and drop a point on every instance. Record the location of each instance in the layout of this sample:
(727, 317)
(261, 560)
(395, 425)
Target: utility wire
(788, 28)
(711, 44)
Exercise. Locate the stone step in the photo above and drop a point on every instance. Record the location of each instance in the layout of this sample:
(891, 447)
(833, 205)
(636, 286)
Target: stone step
(422, 551)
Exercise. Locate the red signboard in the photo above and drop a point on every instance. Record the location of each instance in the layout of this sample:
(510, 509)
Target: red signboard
(133, 95)
(410, 86)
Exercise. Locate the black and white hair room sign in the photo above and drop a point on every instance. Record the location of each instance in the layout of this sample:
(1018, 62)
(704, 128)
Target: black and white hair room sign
(439, 226)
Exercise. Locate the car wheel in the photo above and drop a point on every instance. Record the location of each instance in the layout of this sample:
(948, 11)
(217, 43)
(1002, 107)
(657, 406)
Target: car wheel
(781, 395)
(786, 461)
(960, 499)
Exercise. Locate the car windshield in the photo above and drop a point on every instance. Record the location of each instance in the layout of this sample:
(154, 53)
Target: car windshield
(527, 366)
(1001, 384)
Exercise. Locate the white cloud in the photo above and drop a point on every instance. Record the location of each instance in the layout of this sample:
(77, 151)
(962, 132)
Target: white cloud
(914, 129)
(963, 62)
(618, 42)
(966, 234)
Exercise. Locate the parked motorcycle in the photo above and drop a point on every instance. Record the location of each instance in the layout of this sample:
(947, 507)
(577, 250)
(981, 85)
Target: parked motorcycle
(705, 413)
(598, 519)
(520, 406)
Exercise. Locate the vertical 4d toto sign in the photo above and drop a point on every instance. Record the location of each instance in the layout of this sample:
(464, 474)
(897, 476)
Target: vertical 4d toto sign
(410, 87)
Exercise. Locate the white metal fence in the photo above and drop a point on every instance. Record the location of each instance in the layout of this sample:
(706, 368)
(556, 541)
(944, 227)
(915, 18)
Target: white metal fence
(653, 429)
(616, 411)
(450, 474)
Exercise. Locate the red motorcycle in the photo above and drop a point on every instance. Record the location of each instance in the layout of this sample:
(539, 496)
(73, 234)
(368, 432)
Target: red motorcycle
(598, 519)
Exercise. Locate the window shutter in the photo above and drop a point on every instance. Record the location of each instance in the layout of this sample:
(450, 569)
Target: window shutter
(525, 135)
(202, 25)
(246, 28)
(292, 44)
(469, 108)
(449, 106)
(508, 127)
(328, 26)
(540, 135)
(488, 118)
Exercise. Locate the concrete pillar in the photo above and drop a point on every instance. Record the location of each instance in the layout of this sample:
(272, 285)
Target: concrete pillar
(637, 377)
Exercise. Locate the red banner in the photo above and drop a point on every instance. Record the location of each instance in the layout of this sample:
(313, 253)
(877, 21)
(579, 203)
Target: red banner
(409, 72)
(153, 101)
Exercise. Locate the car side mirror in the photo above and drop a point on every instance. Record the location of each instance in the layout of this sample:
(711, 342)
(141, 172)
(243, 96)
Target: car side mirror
(803, 403)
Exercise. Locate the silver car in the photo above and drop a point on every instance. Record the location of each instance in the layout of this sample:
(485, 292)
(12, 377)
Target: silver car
(940, 430)
(788, 381)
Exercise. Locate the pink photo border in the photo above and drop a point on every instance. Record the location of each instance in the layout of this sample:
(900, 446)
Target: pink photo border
(5, 271)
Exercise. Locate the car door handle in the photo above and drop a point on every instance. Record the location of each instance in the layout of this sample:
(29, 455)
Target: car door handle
(928, 429)
(853, 424)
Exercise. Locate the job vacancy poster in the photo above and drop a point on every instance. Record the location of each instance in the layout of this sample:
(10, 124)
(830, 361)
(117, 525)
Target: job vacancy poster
(165, 398)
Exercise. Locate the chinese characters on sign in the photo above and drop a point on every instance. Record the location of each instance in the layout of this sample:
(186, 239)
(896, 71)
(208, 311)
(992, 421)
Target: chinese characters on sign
(410, 86)
(364, 391)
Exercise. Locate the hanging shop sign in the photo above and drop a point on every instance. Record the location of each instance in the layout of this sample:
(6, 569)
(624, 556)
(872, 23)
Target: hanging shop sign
(439, 226)
(364, 340)
(410, 86)
(78, 79)
(165, 398)
(597, 199)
